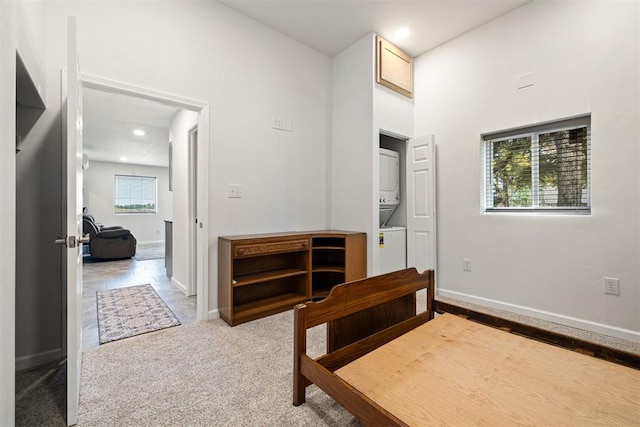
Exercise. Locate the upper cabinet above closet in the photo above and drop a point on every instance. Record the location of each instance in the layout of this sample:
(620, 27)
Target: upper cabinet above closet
(394, 67)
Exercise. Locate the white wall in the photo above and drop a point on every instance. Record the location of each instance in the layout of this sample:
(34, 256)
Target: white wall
(361, 109)
(393, 112)
(179, 134)
(18, 31)
(585, 59)
(393, 115)
(99, 197)
(352, 154)
(248, 73)
(38, 223)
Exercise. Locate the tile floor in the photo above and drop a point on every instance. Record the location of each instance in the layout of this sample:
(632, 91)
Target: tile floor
(116, 274)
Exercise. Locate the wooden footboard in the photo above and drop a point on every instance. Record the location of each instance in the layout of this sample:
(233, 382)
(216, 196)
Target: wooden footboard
(378, 309)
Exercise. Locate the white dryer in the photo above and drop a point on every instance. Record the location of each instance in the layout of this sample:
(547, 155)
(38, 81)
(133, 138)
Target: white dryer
(392, 246)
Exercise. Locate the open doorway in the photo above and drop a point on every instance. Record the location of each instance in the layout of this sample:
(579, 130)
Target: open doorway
(159, 153)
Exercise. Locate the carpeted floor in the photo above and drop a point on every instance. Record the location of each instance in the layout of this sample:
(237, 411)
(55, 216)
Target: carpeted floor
(41, 396)
(147, 251)
(203, 374)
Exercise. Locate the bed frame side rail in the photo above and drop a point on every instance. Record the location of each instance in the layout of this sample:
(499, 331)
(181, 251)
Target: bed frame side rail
(599, 351)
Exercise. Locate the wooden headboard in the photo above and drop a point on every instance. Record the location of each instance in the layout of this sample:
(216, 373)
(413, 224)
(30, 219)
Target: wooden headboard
(360, 316)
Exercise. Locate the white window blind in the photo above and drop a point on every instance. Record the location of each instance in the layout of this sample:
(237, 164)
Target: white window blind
(135, 194)
(543, 168)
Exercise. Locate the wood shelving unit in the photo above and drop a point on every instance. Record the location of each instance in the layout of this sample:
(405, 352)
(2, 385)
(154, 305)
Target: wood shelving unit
(327, 264)
(249, 279)
(260, 275)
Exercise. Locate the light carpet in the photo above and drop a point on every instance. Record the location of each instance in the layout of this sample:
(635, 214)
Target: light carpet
(147, 251)
(129, 311)
(204, 374)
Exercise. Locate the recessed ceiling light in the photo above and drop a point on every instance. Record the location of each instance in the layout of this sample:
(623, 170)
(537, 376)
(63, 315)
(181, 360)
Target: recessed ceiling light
(402, 33)
(123, 159)
(139, 132)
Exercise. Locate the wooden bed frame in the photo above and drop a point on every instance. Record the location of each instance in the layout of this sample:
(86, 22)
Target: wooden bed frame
(366, 314)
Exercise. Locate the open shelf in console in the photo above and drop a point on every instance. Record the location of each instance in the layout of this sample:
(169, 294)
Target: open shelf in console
(264, 268)
(268, 297)
(327, 264)
(324, 280)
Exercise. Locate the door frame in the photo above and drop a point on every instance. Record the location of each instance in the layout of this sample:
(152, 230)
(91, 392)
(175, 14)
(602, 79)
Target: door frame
(192, 166)
(433, 244)
(202, 108)
(376, 178)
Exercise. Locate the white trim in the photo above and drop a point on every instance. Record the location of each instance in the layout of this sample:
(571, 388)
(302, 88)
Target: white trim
(149, 242)
(179, 285)
(192, 214)
(113, 86)
(561, 319)
(213, 314)
(203, 214)
(202, 108)
(37, 359)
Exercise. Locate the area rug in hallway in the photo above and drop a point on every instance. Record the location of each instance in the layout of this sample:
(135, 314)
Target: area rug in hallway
(134, 310)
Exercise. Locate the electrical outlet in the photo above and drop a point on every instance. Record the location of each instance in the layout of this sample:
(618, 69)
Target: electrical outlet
(466, 264)
(611, 285)
(277, 123)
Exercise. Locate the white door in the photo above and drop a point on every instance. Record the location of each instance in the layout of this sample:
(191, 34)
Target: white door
(421, 206)
(74, 224)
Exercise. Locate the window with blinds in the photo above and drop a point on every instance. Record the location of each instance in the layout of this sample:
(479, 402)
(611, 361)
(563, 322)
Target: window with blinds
(135, 194)
(544, 168)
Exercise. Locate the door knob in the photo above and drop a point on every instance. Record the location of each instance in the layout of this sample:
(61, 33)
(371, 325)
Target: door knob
(69, 241)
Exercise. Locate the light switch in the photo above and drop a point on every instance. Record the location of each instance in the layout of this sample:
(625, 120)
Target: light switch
(281, 123)
(234, 191)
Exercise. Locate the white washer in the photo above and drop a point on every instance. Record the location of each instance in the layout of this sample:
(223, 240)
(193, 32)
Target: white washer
(392, 246)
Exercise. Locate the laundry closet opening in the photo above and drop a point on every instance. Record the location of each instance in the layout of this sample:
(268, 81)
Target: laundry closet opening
(392, 235)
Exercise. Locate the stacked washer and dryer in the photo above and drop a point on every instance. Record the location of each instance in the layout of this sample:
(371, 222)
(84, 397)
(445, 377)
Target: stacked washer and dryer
(392, 239)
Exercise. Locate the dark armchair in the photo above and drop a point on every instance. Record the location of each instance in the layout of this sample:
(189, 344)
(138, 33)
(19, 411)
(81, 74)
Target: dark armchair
(108, 243)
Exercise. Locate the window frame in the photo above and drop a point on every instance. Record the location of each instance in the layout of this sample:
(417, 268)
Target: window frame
(533, 132)
(115, 194)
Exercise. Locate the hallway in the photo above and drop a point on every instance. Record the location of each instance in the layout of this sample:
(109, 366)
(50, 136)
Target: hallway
(99, 276)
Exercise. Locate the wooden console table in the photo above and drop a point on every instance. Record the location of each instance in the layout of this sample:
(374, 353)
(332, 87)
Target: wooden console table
(264, 274)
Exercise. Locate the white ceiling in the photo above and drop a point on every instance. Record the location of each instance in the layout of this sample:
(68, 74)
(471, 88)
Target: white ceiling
(109, 120)
(328, 26)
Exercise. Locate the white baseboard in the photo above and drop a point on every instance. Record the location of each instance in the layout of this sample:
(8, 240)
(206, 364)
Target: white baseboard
(587, 325)
(31, 360)
(213, 314)
(150, 242)
(179, 285)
